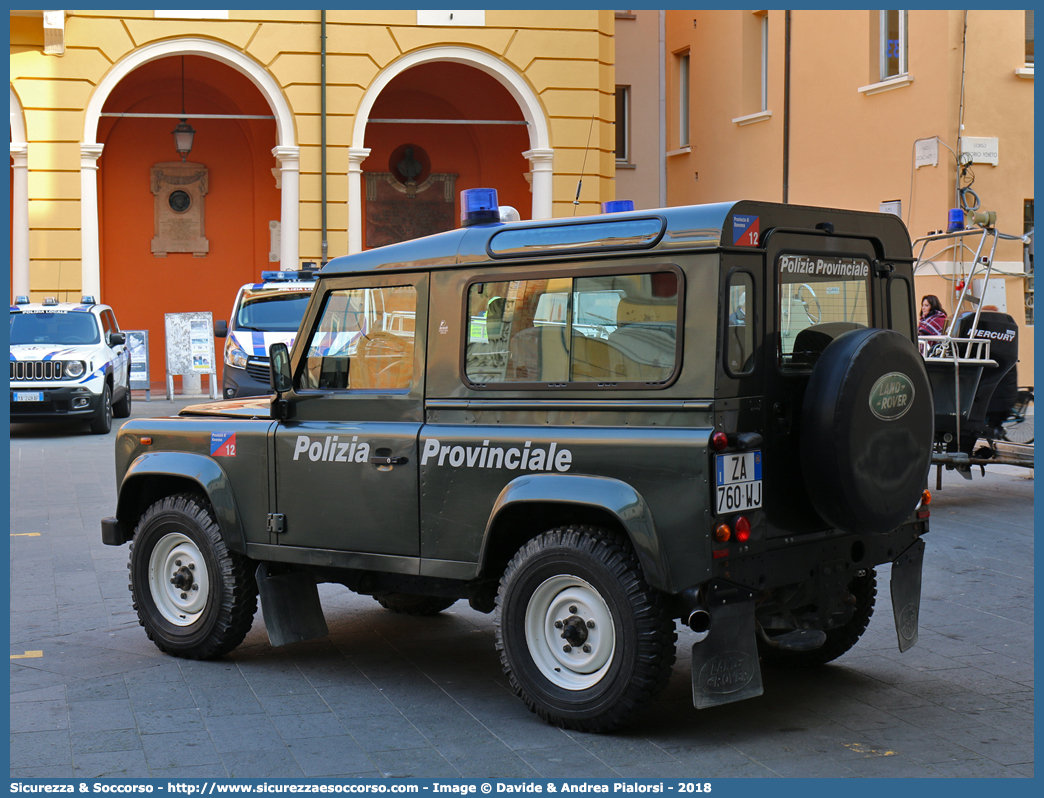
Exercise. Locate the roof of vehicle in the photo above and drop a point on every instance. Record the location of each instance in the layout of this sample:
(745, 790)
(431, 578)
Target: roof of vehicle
(62, 307)
(685, 227)
(285, 280)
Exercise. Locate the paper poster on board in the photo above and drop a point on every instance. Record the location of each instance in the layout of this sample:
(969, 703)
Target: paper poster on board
(201, 345)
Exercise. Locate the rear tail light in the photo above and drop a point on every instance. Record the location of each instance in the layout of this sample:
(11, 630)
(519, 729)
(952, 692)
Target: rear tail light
(720, 441)
(722, 533)
(926, 498)
(743, 529)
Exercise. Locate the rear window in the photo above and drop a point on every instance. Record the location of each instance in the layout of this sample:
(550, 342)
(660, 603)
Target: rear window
(820, 298)
(593, 330)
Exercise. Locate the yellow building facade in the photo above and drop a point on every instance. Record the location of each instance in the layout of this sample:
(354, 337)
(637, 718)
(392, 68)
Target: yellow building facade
(519, 98)
(866, 110)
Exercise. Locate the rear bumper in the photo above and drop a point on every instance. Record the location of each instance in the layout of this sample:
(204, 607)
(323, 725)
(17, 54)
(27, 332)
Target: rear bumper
(792, 563)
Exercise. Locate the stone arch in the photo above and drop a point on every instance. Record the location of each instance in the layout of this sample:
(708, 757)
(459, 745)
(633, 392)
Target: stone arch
(539, 153)
(257, 74)
(286, 150)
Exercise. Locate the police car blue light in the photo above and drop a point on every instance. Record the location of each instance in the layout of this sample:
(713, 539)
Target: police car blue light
(478, 206)
(617, 206)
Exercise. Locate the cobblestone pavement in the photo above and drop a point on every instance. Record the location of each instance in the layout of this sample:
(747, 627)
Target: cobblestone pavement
(389, 695)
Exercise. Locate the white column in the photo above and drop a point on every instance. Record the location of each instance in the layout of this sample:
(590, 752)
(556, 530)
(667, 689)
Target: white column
(290, 213)
(20, 219)
(356, 155)
(540, 160)
(90, 254)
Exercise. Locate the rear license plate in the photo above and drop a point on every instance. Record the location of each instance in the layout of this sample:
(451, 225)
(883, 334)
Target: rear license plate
(28, 396)
(738, 482)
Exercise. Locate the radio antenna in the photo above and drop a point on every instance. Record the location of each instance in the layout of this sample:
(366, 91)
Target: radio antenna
(580, 182)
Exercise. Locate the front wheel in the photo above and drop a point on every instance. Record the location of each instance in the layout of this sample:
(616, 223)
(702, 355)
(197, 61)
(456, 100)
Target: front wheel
(102, 422)
(583, 639)
(122, 408)
(195, 598)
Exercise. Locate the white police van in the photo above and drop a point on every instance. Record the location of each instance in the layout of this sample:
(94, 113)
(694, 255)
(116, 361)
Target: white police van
(68, 361)
(264, 313)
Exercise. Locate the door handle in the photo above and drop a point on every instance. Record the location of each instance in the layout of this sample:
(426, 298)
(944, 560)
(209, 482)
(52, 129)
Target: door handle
(386, 461)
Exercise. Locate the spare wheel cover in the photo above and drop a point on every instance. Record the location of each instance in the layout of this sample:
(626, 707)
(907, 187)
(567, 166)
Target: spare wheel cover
(866, 431)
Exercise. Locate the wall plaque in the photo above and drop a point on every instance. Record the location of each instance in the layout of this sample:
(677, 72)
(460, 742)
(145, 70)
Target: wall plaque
(180, 189)
(397, 211)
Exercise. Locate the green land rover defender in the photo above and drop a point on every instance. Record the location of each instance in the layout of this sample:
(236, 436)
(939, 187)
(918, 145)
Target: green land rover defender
(591, 427)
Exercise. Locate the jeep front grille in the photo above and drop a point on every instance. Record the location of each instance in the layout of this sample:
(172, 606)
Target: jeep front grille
(37, 370)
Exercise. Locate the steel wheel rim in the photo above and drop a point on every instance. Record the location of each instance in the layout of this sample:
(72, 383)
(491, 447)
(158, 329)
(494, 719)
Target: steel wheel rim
(173, 555)
(564, 599)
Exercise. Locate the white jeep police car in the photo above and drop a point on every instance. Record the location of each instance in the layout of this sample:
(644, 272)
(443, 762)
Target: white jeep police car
(68, 361)
(264, 313)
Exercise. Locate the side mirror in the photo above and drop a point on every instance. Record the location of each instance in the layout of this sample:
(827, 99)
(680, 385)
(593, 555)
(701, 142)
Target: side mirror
(279, 367)
(220, 329)
(279, 379)
(117, 339)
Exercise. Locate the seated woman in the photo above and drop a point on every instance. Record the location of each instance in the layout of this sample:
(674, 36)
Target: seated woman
(933, 317)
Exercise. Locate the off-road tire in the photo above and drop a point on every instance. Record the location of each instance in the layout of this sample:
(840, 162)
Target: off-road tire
(586, 573)
(839, 640)
(171, 531)
(414, 604)
(122, 408)
(102, 422)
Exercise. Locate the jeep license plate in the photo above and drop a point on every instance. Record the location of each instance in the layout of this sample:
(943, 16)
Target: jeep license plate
(738, 482)
(28, 396)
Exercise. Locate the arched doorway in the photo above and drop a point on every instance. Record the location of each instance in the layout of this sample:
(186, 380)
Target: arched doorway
(241, 199)
(454, 84)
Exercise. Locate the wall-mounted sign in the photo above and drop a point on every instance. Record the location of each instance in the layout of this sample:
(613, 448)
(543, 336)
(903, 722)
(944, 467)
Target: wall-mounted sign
(926, 152)
(982, 149)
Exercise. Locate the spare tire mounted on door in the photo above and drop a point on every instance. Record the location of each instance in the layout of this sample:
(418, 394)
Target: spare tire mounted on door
(866, 431)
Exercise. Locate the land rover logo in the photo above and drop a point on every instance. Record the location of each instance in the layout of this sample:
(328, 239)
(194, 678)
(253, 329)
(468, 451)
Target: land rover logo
(727, 673)
(891, 396)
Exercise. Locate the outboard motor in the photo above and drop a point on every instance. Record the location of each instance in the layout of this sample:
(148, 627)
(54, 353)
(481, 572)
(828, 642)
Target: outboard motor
(1003, 334)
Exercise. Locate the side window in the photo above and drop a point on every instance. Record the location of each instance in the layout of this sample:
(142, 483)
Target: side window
(601, 329)
(739, 325)
(899, 306)
(363, 341)
(103, 317)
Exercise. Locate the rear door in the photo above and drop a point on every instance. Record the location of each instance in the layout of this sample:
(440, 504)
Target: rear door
(817, 287)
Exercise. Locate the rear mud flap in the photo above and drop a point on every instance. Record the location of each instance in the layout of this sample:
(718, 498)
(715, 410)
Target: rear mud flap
(906, 593)
(725, 665)
(290, 603)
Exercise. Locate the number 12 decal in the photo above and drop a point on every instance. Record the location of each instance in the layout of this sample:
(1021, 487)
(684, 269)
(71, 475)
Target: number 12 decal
(746, 230)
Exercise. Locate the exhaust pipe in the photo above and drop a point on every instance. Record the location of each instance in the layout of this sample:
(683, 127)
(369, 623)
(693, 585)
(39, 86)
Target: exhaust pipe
(699, 620)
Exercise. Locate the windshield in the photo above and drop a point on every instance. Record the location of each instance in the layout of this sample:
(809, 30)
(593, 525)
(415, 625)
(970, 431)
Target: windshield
(54, 327)
(272, 312)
